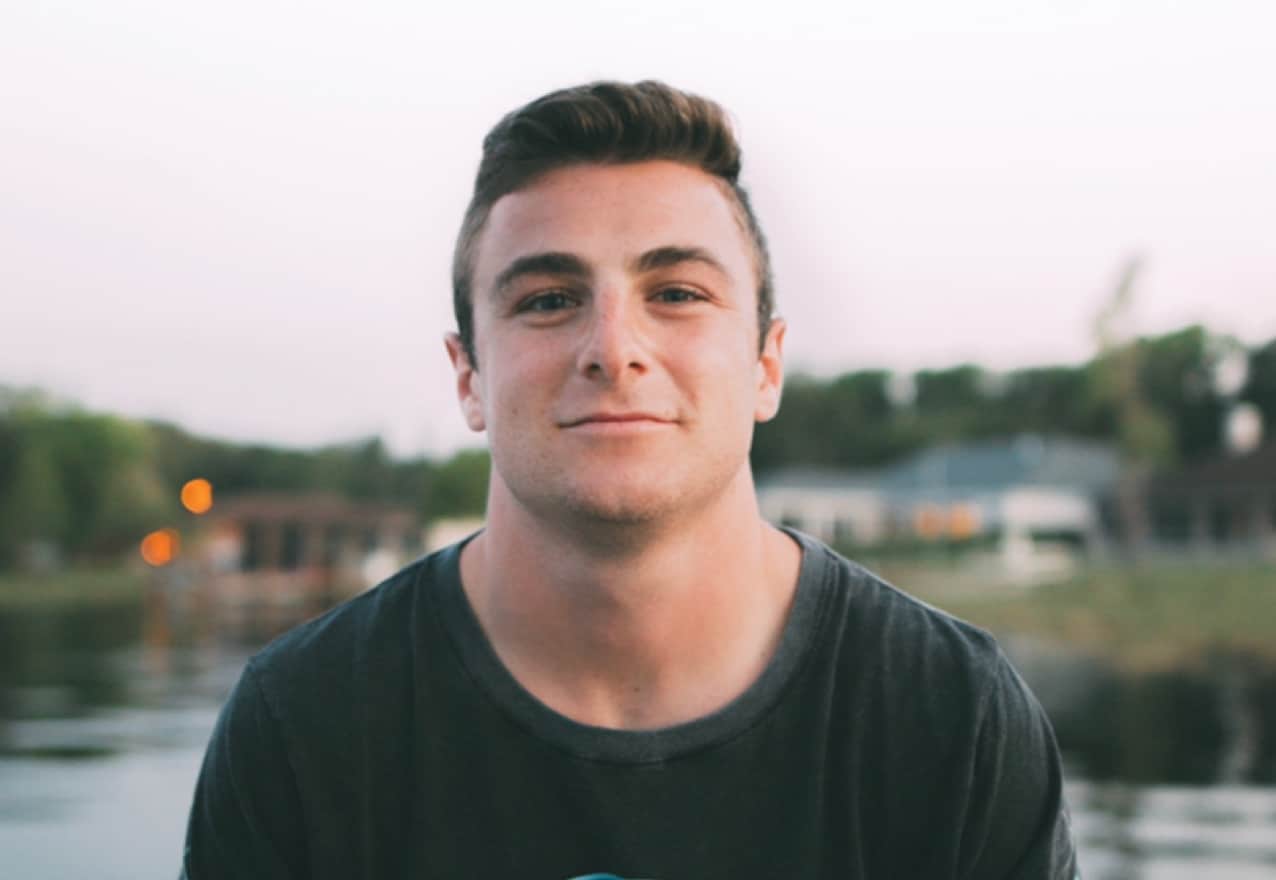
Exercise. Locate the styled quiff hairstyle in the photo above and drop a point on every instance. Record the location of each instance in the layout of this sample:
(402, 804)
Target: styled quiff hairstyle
(603, 123)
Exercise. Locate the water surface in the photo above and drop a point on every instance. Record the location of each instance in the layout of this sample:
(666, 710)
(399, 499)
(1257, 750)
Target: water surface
(105, 712)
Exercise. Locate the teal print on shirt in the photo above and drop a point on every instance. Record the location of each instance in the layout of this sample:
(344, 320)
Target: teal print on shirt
(596, 877)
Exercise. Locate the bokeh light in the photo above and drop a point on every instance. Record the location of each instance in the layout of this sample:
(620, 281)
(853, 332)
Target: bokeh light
(161, 547)
(197, 495)
(963, 522)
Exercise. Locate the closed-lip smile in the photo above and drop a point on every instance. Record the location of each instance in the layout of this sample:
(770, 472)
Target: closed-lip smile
(614, 418)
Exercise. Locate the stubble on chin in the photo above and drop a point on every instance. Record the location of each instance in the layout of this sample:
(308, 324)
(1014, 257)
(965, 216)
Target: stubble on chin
(645, 503)
(627, 505)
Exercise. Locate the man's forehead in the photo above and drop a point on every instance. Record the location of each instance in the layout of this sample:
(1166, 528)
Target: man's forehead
(623, 212)
(592, 194)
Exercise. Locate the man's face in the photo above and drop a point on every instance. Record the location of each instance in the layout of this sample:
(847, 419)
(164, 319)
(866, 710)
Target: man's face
(616, 331)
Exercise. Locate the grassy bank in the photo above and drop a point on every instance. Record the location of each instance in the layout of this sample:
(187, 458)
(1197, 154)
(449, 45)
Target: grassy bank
(81, 586)
(1141, 617)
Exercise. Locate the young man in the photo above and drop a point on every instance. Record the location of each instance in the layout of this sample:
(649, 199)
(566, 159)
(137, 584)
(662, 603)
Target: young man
(627, 672)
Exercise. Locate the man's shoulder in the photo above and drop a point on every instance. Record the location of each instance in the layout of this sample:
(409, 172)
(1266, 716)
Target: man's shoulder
(368, 634)
(947, 727)
(901, 649)
(887, 617)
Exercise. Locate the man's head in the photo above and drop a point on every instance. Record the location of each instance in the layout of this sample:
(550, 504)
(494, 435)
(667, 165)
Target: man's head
(613, 286)
(603, 123)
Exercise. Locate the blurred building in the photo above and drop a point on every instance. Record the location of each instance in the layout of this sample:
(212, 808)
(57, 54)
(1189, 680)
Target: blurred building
(1223, 507)
(1035, 500)
(283, 551)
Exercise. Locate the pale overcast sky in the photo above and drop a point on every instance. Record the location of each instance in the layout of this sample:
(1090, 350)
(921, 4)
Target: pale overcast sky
(239, 215)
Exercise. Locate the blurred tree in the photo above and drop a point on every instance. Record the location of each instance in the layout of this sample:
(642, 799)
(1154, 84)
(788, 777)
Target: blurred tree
(1260, 386)
(360, 469)
(33, 503)
(847, 422)
(103, 460)
(84, 483)
(458, 486)
(1049, 400)
(953, 389)
(1174, 378)
(1143, 435)
(412, 481)
(136, 500)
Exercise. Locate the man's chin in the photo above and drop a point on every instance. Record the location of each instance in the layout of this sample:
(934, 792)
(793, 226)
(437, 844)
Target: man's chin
(628, 509)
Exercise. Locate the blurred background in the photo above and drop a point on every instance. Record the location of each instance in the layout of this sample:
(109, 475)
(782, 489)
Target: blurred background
(1027, 252)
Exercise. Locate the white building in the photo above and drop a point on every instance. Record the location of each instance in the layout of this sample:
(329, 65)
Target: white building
(1025, 492)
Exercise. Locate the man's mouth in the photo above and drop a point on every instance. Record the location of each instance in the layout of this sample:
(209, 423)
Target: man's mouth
(618, 419)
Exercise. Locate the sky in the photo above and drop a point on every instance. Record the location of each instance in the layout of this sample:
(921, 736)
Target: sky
(239, 216)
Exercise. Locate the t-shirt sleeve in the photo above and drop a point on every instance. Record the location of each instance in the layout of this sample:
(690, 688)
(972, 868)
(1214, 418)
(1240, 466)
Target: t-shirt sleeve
(1018, 827)
(246, 819)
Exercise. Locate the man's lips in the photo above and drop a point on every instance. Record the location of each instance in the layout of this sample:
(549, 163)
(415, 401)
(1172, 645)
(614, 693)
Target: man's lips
(609, 418)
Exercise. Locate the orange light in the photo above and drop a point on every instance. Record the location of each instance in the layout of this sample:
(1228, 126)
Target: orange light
(963, 521)
(197, 495)
(160, 547)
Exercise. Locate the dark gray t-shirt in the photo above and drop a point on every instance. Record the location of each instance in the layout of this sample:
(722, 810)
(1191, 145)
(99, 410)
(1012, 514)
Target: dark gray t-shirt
(385, 739)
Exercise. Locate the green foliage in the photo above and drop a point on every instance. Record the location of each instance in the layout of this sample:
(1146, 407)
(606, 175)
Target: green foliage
(1153, 397)
(1043, 398)
(84, 483)
(847, 422)
(362, 469)
(1174, 375)
(1260, 388)
(955, 390)
(34, 504)
(458, 486)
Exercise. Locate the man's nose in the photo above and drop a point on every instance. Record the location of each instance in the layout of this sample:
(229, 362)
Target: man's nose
(614, 347)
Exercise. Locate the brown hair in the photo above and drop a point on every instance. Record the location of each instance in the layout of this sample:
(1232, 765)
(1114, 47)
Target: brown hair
(608, 123)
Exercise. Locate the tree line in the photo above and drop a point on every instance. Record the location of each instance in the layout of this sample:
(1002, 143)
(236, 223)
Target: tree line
(84, 486)
(1170, 411)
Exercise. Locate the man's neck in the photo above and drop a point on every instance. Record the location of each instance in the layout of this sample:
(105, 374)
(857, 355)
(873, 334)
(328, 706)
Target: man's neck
(634, 635)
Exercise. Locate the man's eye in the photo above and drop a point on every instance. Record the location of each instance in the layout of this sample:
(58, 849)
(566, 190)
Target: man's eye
(546, 302)
(678, 295)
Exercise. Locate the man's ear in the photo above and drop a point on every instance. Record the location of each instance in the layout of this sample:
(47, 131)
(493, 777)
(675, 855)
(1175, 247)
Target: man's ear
(467, 388)
(770, 372)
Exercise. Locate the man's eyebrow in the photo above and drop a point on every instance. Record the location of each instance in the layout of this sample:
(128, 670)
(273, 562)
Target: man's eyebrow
(672, 255)
(545, 263)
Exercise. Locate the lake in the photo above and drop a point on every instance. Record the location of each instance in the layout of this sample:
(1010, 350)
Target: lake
(104, 714)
